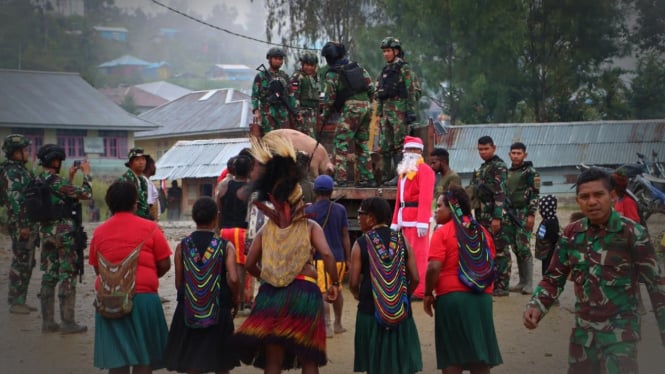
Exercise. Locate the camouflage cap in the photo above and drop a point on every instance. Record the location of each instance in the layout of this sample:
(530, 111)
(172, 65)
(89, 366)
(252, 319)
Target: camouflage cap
(134, 152)
(13, 142)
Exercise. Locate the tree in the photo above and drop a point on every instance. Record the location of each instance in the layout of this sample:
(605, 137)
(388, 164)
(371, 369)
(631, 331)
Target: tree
(648, 88)
(307, 23)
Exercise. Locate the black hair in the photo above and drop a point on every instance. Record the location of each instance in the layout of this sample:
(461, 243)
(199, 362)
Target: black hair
(150, 165)
(460, 195)
(441, 153)
(246, 152)
(204, 210)
(518, 145)
(485, 140)
(281, 176)
(121, 197)
(379, 208)
(230, 165)
(593, 174)
(242, 165)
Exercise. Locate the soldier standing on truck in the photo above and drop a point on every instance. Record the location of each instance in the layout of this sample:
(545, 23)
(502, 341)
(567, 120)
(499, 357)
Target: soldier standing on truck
(522, 189)
(490, 190)
(59, 256)
(348, 90)
(271, 102)
(398, 92)
(14, 178)
(306, 91)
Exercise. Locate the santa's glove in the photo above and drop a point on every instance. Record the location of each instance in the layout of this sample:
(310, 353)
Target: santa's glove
(422, 231)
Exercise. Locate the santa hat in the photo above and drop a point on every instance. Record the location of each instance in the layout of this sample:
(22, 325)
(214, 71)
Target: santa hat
(413, 142)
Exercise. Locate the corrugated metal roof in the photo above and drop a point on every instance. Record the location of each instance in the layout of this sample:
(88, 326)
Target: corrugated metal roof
(558, 144)
(202, 112)
(164, 89)
(123, 61)
(57, 100)
(198, 158)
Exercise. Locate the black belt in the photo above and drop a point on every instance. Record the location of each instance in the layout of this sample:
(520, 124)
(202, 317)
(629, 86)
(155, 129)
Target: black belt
(408, 204)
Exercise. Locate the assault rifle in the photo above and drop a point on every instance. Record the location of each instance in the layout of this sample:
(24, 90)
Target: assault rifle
(80, 237)
(506, 204)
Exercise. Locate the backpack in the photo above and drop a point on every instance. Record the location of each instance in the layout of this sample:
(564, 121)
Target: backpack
(476, 265)
(117, 282)
(202, 282)
(37, 201)
(387, 266)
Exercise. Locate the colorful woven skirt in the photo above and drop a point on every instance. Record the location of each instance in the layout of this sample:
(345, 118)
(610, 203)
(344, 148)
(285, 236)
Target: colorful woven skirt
(136, 339)
(378, 350)
(287, 316)
(464, 330)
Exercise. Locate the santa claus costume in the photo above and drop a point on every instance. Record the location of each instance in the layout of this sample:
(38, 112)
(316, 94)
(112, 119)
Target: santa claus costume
(413, 204)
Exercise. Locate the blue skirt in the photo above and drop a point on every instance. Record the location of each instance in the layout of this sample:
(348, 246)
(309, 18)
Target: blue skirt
(136, 339)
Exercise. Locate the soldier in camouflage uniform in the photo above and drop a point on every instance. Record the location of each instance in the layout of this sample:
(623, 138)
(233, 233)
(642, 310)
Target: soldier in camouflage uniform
(14, 177)
(305, 90)
(605, 255)
(398, 92)
(271, 102)
(522, 189)
(59, 257)
(490, 187)
(348, 90)
(134, 175)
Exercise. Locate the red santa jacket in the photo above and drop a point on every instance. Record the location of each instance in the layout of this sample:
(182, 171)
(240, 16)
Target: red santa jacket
(413, 204)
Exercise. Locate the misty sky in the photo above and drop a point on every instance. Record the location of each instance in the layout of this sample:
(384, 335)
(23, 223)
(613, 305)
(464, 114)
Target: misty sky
(244, 7)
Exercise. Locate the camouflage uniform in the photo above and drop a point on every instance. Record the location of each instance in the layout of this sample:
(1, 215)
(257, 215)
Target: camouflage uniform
(59, 258)
(355, 117)
(16, 177)
(398, 92)
(142, 208)
(492, 174)
(272, 105)
(605, 264)
(522, 189)
(306, 90)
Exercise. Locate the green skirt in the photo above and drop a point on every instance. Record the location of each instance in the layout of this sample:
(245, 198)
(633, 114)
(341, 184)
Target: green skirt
(378, 350)
(136, 339)
(464, 330)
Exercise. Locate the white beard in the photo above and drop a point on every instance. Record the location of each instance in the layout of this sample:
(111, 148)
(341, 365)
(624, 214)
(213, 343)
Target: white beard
(409, 163)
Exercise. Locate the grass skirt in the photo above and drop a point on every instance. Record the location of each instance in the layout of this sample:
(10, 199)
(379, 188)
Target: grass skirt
(204, 350)
(287, 316)
(464, 330)
(136, 339)
(394, 351)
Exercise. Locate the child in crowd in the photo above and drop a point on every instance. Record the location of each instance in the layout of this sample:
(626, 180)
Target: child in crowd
(207, 282)
(547, 234)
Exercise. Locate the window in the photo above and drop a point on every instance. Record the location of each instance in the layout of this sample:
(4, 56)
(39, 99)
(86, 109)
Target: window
(36, 137)
(115, 144)
(72, 142)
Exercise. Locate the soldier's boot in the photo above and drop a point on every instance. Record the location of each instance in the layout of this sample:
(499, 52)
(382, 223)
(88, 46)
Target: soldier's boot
(528, 277)
(67, 304)
(47, 298)
(522, 273)
(393, 182)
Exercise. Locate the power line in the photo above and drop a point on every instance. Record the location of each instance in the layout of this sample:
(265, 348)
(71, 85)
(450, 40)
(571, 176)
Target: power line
(229, 31)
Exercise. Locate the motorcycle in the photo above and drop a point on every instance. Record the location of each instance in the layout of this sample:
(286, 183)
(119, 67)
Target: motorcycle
(650, 199)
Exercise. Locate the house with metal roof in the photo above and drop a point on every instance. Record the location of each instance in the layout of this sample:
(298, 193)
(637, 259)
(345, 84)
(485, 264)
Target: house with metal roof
(145, 96)
(197, 163)
(62, 108)
(556, 148)
(210, 114)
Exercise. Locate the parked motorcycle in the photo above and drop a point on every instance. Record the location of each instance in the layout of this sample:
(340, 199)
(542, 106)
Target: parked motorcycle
(650, 199)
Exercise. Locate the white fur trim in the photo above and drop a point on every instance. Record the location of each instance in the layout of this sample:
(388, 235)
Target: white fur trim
(414, 145)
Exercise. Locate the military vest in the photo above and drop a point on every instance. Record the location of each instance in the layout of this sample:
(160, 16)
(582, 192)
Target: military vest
(517, 187)
(391, 85)
(309, 90)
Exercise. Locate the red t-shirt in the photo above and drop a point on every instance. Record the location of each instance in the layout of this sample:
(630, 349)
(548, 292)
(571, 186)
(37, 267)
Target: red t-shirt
(627, 207)
(444, 248)
(119, 235)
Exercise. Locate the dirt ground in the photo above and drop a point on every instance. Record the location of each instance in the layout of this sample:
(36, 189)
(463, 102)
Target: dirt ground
(24, 349)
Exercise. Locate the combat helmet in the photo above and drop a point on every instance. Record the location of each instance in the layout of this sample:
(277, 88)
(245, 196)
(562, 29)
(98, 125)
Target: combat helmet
(309, 58)
(391, 42)
(14, 142)
(275, 52)
(49, 152)
(333, 51)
